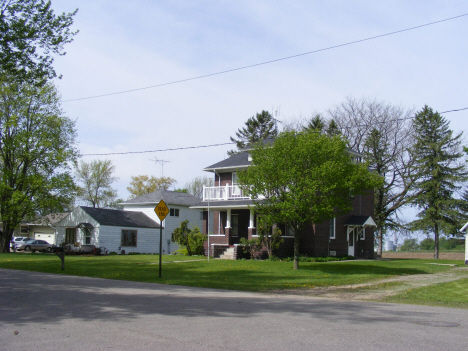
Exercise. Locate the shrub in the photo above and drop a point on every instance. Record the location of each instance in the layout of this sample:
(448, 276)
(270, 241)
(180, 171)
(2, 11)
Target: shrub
(250, 246)
(190, 240)
(427, 244)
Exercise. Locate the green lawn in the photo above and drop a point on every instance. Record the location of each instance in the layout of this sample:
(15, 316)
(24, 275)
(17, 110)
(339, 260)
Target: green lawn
(222, 274)
(452, 294)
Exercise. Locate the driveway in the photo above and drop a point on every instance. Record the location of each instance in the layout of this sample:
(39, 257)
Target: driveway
(54, 312)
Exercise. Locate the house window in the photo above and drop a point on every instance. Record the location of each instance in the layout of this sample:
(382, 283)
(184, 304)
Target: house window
(234, 178)
(332, 228)
(288, 231)
(235, 186)
(362, 235)
(201, 216)
(174, 212)
(129, 238)
(87, 236)
(70, 235)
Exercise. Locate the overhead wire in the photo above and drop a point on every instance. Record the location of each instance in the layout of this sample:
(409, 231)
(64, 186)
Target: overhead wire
(267, 62)
(222, 144)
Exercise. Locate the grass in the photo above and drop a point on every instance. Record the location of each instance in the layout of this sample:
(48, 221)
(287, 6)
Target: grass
(451, 294)
(243, 275)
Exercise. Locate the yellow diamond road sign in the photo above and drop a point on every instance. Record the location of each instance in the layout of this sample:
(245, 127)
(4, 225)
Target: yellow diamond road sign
(161, 210)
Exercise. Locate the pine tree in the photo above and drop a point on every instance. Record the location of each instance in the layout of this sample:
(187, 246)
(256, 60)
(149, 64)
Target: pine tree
(437, 154)
(316, 124)
(258, 127)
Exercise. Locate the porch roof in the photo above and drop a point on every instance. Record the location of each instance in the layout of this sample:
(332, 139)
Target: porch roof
(361, 221)
(224, 204)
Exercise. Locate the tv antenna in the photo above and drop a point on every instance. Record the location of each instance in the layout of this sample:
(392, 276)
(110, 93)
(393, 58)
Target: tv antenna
(161, 162)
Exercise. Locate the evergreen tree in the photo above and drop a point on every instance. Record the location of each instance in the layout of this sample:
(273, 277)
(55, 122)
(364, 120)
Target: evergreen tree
(316, 124)
(437, 153)
(258, 127)
(333, 128)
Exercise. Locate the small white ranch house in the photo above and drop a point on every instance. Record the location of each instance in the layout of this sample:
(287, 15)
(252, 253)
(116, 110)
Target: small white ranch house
(114, 230)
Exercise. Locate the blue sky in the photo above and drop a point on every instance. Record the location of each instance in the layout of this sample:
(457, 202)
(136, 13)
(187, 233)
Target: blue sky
(125, 45)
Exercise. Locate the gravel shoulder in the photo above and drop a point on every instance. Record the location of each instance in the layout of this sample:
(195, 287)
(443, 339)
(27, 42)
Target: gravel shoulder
(379, 289)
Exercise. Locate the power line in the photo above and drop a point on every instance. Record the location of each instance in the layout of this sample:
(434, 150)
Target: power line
(212, 145)
(267, 62)
(162, 150)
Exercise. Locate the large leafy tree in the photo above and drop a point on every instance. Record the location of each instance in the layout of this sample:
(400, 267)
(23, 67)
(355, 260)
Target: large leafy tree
(258, 127)
(30, 35)
(37, 142)
(143, 184)
(95, 179)
(383, 134)
(304, 178)
(437, 154)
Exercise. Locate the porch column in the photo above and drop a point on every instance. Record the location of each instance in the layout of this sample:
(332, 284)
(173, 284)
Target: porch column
(252, 219)
(228, 218)
(251, 230)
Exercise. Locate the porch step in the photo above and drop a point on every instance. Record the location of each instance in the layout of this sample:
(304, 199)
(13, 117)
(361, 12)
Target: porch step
(228, 254)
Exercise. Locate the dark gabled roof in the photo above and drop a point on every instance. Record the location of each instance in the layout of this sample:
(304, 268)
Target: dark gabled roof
(238, 160)
(120, 218)
(242, 158)
(169, 197)
(263, 141)
(361, 221)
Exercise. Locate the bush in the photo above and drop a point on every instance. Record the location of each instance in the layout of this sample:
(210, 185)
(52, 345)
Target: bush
(190, 240)
(427, 244)
(134, 253)
(409, 245)
(250, 246)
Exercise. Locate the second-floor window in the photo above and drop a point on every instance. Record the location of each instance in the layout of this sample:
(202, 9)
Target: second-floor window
(235, 189)
(174, 212)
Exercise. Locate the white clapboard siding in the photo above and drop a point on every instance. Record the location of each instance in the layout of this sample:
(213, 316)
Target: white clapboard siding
(169, 223)
(109, 237)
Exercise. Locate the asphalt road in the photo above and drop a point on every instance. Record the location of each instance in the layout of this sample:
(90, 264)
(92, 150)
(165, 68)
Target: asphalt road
(54, 312)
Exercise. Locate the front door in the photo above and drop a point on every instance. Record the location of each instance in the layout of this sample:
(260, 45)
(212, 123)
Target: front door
(235, 228)
(351, 241)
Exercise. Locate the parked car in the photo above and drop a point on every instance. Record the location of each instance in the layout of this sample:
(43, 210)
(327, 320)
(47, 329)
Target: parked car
(19, 241)
(35, 245)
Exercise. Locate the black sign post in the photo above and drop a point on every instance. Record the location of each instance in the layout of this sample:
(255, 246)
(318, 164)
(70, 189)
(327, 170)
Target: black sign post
(161, 211)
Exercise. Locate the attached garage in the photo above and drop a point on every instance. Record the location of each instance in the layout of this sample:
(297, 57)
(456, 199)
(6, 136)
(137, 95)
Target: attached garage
(50, 238)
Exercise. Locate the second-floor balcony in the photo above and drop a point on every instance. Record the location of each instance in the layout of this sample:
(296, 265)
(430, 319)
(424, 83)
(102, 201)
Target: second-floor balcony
(227, 192)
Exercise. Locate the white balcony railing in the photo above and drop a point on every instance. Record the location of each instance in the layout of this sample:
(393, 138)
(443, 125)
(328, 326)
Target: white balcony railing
(227, 192)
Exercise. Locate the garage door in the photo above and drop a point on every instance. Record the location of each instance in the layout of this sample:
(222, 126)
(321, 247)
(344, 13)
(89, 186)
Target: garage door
(50, 238)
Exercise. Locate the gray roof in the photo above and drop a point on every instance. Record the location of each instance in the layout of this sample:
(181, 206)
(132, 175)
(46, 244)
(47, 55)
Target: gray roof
(120, 218)
(49, 219)
(169, 197)
(360, 221)
(237, 160)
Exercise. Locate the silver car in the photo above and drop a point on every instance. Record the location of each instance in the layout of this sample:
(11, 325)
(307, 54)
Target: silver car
(34, 245)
